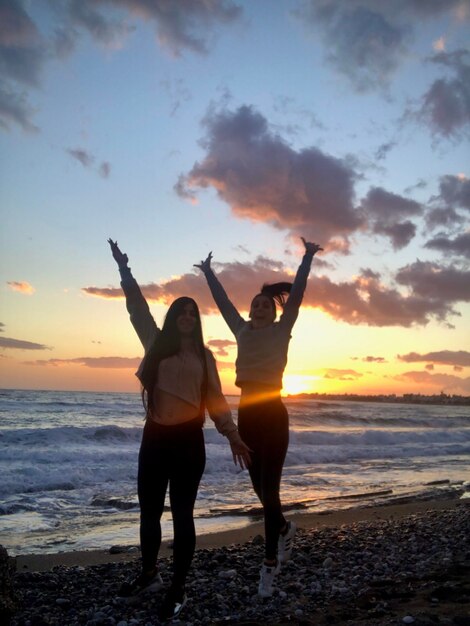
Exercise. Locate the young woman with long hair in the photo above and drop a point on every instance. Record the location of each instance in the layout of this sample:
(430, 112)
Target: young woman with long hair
(179, 379)
(263, 421)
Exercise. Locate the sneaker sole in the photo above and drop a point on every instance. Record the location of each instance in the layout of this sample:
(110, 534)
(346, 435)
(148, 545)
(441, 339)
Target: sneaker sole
(158, 584)
(176, 615)
(288, 553)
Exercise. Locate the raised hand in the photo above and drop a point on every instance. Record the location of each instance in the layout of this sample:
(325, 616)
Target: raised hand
(120, 258)
(205, 266)
(310, 247)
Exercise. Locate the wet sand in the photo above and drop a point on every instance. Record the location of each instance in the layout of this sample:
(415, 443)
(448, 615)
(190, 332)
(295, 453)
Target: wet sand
(45, 562)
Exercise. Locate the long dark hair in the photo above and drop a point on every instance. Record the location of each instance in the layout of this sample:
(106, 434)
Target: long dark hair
(276, 292)
(168, 343)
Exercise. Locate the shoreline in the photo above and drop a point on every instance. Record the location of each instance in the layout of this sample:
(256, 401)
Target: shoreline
(244, 535)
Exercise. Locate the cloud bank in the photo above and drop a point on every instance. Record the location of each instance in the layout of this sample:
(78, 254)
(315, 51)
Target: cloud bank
(102, 362)
(443, 382)
(460, 358)
(432, 292)
(20, 344)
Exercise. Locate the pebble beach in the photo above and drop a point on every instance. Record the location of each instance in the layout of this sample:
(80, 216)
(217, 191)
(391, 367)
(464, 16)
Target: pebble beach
(406, 564)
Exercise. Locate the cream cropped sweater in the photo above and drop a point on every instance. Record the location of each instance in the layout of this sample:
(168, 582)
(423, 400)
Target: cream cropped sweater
(180, 375)
(262, 352)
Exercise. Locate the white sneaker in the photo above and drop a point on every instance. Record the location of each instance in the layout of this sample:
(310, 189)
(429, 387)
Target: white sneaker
(286, 543)
(266, 579)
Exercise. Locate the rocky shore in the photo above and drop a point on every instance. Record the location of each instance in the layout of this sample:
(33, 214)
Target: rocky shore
(412, 570)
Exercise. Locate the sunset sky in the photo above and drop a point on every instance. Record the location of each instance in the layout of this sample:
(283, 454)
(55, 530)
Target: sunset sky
(235, 126)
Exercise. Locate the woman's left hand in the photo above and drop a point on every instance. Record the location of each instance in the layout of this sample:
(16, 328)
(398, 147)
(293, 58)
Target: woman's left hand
(311, 248)
(240, 451)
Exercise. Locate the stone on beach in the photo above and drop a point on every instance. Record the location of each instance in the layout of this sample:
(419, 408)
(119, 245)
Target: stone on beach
(370, 573)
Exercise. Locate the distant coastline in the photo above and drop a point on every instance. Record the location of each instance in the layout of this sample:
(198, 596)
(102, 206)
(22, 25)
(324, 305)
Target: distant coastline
(406, 398)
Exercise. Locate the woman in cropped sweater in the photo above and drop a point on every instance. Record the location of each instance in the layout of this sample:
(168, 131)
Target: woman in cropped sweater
(262, 418)
(179, 379)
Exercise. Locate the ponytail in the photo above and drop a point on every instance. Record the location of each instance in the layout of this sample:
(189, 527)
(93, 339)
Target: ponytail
(278, 292)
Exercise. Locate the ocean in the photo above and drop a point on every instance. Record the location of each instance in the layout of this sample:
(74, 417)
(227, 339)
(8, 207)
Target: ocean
(68, 465)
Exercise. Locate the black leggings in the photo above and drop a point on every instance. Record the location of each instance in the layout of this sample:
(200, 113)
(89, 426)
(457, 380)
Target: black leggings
(264, 427)
(175, 455)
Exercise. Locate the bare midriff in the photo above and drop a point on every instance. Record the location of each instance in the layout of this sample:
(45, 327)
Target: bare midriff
(254, 393)
(170, 410)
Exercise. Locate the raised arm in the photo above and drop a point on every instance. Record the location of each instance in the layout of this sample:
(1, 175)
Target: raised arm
(229, 312)
(136, 304)
(292, 306)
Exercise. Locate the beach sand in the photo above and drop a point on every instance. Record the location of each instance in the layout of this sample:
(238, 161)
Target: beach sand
(363, 566)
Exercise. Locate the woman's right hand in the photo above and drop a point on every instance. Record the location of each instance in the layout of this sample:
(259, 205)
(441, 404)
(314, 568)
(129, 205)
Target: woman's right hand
(310, 247)
(120, 258)
(205, 266)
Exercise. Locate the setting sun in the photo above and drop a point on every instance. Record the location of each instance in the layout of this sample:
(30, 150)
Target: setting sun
(298, 383)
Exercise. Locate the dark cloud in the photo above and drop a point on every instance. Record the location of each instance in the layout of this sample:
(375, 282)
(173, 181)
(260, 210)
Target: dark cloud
(2, 326)
(83, 14)
(454, 191)
(389, 206)
(367, 40)
(345, 375)
(368, 301)
(443, 357)
(369, 359)
(22, 51)
(263, 179)
(460, 245)
(444, 382)
(87, 160)
(421, 184)
(364, 300)
(220, 345)
(185, 25)
(387, 212)
(435, 282)
(84, 157)
(105, 169)
(177, 92)
(399, 234)
(103, 362)
(22, 56)
(429, 367)
(439, 217)
(445, 106)
(362, 43)
(383, 150)
(15, 109)
(20, 344)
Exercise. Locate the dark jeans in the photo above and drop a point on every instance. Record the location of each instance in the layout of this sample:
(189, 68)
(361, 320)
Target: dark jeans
(264, 427)
(173, 455)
